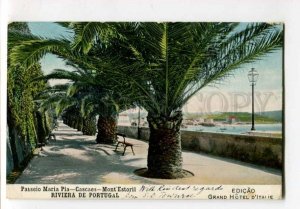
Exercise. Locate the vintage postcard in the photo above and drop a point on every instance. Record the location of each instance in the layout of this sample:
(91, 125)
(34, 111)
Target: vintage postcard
(145, 110)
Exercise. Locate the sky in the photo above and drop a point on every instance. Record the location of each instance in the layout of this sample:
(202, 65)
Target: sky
(232, 95)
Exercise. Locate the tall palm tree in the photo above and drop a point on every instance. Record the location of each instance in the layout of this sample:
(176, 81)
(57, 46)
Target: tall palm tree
(170, 62)
(88, 72)
(165, 64)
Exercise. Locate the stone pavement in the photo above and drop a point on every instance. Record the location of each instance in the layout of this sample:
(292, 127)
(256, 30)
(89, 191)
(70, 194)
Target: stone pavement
(76, 159)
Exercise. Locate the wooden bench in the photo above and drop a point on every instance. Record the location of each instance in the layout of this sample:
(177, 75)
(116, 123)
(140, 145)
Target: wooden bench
(124, 143)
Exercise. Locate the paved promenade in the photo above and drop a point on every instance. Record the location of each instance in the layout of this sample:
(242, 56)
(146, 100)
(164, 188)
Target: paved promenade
(76, 159)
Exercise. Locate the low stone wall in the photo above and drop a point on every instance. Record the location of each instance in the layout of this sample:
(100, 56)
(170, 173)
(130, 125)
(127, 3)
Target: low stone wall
(259, 150)
(129, 131)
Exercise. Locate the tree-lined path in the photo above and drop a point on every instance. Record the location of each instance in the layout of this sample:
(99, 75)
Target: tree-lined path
(75, 158)
(115, 67)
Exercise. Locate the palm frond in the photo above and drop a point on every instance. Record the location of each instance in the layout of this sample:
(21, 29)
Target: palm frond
(30, 52)
(87, 32)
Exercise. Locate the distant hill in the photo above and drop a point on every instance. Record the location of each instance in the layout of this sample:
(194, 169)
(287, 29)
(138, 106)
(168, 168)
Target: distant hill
(276, 115)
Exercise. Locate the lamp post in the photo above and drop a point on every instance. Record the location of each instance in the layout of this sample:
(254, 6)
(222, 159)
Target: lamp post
(253, 77)
(138, 124)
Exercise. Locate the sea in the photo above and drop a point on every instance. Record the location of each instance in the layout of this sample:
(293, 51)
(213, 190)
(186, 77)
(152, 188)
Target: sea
(236, 129)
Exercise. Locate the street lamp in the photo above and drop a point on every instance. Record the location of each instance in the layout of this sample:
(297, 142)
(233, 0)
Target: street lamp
(138, 125)
(253, 77)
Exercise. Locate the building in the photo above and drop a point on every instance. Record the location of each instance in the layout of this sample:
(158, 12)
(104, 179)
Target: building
(231, 119)
(123, 120)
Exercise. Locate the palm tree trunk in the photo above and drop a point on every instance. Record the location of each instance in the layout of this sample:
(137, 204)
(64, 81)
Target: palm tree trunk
(164, 155)
(79, 123)
(107, 128)
(72, 122)
(89, 126)
(41, 132)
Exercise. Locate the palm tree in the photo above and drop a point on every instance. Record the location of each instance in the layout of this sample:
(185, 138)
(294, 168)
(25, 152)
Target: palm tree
(62, 98)
(170, 62)
(106, 102)
(92, 96)
(165, 64)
